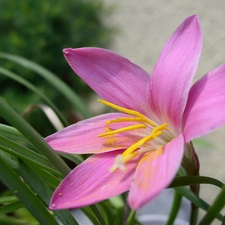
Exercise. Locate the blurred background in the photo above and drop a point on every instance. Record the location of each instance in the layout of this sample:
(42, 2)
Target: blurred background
(39, 30)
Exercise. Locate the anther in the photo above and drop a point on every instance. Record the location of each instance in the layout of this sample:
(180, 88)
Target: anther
(128, 128)
(128, 111)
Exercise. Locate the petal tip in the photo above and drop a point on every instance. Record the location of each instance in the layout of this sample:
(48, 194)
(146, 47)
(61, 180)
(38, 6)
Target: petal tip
(194, 19)
(52, 206)
(66, 51)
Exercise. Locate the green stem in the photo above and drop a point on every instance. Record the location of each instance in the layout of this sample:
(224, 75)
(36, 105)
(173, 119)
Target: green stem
(214, 209)
(193, 215)
(18, 122)
(131, 218)
(175, 208)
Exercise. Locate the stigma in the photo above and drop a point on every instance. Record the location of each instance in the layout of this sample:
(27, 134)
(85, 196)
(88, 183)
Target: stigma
(149, 131)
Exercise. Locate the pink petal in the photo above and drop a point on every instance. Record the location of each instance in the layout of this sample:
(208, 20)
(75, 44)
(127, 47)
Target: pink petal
(82, 137)
(155, 172)
(113, 77)
(205, 110)
(172, 75)
(92, 182)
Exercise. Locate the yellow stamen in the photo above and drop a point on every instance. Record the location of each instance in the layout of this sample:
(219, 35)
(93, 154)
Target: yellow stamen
(128, 111)
(140, 147)
(160, 127)
(141, 142)
(125, 119)
(128, 128)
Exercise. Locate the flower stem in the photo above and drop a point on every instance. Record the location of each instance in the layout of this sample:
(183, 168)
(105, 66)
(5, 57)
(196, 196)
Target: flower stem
(175, 208)
(131, 218)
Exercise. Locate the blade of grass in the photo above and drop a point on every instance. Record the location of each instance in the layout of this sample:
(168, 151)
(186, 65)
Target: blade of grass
(98, 214)
(52, 79)
(26, 196)
(18, 122)
(49, 178)
(8, 220)
(192, 180)
(195, 200)
(11, 207)
(8, 199)
(119, 205)
(30, 86)
(214, 209)
(89, 213)
(43, 191)
(12, 133)
(26, 154)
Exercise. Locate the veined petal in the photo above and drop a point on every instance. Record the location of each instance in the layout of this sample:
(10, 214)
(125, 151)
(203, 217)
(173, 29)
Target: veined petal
(205, 110)
(172, 75)
(113, 77)
(82, 137)
(92, 182)
(155, 172)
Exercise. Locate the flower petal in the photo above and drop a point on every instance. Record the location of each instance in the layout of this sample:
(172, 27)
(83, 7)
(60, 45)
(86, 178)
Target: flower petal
(82, 137)
(155, 172)
(92, 182)
(172, 75)
(113, 77)
(205, 110)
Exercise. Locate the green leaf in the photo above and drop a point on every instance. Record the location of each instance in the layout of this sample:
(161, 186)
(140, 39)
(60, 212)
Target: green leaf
(214, 210)
(26, 154)
(30, 86)
(195, 200)
(27, 197)
(193, 180)
(8, 199)
(43, 191)
(11, 207)
(52, 79)
(12, 133)
(18, 122)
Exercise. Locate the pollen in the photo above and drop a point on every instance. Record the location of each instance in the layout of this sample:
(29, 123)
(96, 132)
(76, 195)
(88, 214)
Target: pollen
(141, 124)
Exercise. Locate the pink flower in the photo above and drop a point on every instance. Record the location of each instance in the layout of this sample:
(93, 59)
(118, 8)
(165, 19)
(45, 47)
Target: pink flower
(141, 147)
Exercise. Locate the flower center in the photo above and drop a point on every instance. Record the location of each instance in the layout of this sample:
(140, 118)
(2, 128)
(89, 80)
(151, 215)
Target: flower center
(139, 147)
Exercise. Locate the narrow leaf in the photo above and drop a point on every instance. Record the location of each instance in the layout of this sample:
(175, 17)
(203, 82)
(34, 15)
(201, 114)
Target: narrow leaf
(52, 79)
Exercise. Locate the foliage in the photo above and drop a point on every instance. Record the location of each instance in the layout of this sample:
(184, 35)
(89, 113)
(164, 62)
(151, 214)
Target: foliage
(39, 30)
